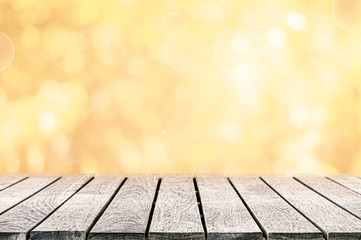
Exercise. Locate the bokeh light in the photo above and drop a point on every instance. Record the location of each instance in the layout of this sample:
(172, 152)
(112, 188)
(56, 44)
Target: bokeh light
(236, 51)
(180, 86)
(7, 51)
(132, 3)
(347, 14)
(276, 37)
(71, 51)
(183, 54)
(174, 25)
(112, 52)
(296, 21)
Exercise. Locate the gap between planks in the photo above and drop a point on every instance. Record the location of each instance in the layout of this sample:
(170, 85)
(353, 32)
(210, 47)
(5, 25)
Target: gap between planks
(310, 220)
(9, 180)
(199, 202)
(152, 209)
(127, 216)
(105, 207)
(23, 190)
(200, 208)
(23, 231)
(75, 192)
(249, 210)
(338, 201)
(65, 213)
(335, 221)
(176, 214)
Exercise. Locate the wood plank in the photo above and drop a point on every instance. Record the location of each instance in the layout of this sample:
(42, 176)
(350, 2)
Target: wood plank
(127, 215)
(18, 221)
(225, 215)
(278, 219)
(176, 214)
(351, 182)
(336, 193)
(75, 217)
(10, 179)
(13, 195)
(334, 221)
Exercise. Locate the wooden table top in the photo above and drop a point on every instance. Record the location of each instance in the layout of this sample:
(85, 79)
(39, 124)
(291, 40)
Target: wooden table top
(181, 206)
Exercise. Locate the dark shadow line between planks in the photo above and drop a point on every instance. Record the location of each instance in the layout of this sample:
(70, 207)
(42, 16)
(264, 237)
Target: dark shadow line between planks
(249, 210)
(315, 224)
(14, 184)
(29, 231)
(200, 208)
(342, 185)
(29, 195)
(152, 208)
(328, 199)
(104, 208)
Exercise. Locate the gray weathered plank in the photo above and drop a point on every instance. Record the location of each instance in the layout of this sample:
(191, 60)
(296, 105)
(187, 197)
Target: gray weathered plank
(278, 219)
(10, 179)
(341, 196)
(75, 217)
(11, 196)
(351, 182)
(176, 214)
(18, 221)
(226, 217)
(127, 215)
(334, 221)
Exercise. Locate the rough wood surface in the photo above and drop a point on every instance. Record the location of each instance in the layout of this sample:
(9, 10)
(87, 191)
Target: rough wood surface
(336, 223)
(13, 195)
(225, 215)
(351, 182)
(18, 221)
(75, 217)
(127, 215)
(343, 197)
(278, 219)
(176, 214)
(10, 179)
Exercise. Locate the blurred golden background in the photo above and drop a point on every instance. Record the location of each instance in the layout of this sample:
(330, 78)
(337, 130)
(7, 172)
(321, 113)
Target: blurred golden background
(180, 86)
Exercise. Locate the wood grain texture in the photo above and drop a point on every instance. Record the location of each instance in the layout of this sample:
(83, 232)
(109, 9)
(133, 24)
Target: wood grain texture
(338, 194)
(127, 215)
(278, 219)
(75, 217)
(10, 179)
(351, 182)
(225, 215)
(334, 221)
(18, 221)
(176, 214)
(13, 195)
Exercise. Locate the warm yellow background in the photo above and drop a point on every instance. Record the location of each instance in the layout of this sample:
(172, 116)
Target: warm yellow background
(180, 86)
